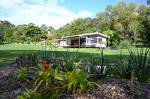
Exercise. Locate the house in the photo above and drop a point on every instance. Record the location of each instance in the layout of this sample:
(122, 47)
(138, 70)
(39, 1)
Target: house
(84, 40)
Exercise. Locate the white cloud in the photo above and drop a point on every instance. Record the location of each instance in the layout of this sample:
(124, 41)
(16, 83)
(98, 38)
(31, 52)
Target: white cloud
(38, 12)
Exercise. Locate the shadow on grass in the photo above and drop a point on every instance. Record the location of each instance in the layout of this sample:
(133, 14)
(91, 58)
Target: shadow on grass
(9, 56)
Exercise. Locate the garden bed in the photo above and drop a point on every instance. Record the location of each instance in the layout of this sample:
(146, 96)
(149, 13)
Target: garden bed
(109, 88)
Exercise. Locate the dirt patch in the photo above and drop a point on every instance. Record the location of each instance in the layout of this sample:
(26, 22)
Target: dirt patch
(9, 85)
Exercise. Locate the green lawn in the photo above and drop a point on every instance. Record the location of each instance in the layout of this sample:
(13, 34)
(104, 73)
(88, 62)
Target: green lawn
(9, 52)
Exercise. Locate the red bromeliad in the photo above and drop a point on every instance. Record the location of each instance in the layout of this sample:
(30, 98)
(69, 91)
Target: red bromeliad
(46, 67)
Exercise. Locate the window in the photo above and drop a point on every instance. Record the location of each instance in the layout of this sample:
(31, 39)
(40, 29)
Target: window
(94, 40)
(99, 39)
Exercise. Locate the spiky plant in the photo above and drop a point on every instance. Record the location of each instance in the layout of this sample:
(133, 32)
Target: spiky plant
(140, 63)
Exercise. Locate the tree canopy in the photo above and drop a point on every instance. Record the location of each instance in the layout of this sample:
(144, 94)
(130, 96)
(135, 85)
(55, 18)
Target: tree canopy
(120, 22)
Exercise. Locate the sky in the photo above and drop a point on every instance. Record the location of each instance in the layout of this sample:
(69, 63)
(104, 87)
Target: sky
(55, 13)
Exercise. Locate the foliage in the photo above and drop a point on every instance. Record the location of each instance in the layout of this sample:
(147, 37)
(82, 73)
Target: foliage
(21, 33)
(68, 60)
(78, 26)
(96, 65)
(135, 27)
(21, 74)
(77, 81)
(49, 53)
(6, 32)
(126, 44)
(140, 64)
(122, 69)
(54, 81)
(43, 79)
(137, 66)
(30, 95)
(47, 84)
(119, 22)
(114, 37)
(27, 60)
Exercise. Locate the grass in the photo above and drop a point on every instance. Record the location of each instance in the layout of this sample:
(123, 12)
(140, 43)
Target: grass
(9, 52)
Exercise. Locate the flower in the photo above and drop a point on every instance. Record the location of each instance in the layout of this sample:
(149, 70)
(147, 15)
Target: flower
(46, 67)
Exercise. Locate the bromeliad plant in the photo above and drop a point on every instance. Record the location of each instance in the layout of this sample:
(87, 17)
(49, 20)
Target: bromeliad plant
(43, 77)
(77, 81)
(48, 83)
(21, 74)
(48, 78)
(29, 94)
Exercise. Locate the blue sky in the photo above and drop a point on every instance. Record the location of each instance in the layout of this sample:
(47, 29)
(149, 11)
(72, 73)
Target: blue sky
(54, 13)
(95, 6)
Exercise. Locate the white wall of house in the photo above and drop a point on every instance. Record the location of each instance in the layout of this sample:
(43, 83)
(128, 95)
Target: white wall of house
(63, 43)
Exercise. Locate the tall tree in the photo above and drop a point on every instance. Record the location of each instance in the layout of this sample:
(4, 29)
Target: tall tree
(144, 13)
(135, 27)
(6, 31)
(117, 18)
(44, 27)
